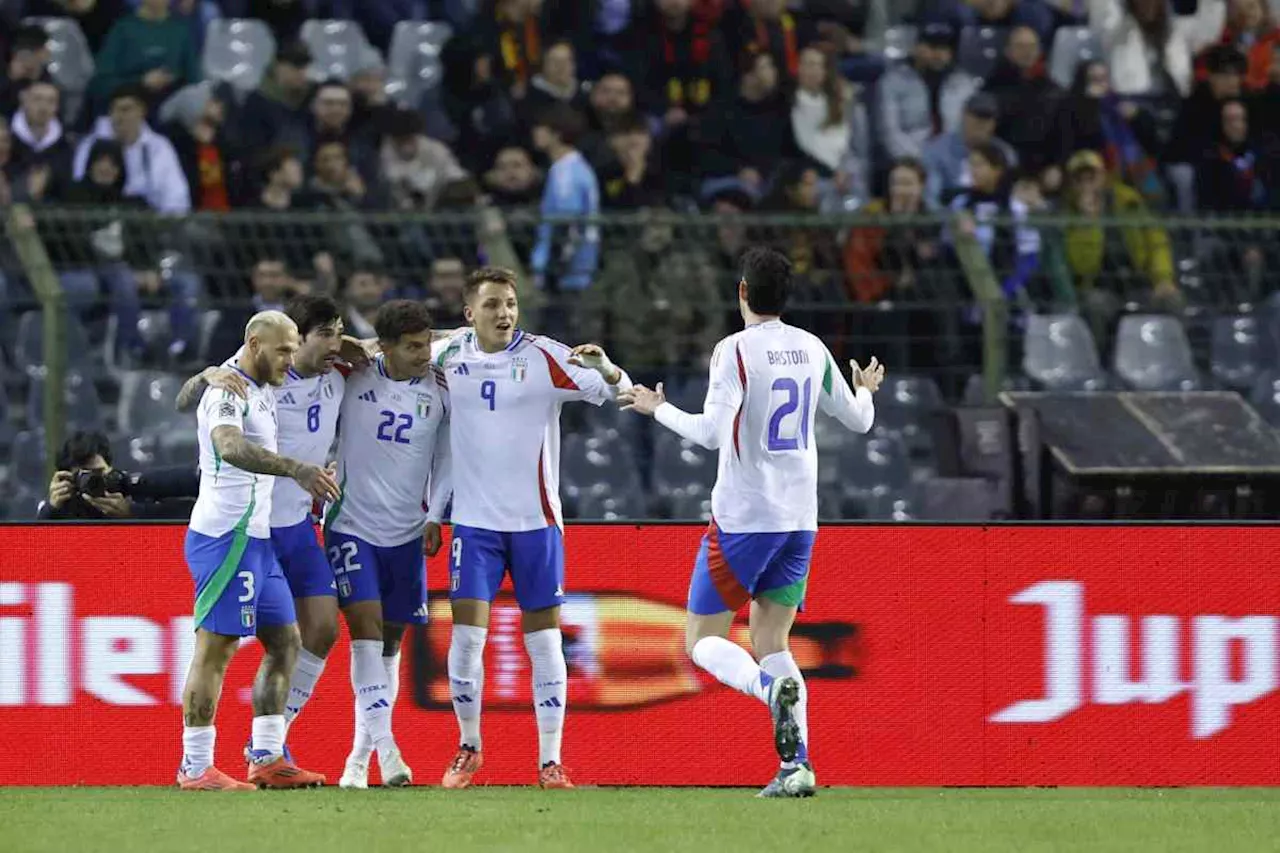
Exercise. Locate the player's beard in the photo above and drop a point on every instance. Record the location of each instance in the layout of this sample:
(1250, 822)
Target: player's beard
(265, 370)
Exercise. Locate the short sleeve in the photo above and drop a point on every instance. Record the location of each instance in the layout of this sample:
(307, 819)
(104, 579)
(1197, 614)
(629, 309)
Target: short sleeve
(223, 408)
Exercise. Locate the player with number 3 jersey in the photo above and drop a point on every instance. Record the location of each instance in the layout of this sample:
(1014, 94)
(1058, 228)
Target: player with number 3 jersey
(767, 383)
(393, 469)
(507, 389)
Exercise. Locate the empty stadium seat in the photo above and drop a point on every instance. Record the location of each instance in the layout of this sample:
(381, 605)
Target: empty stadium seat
(413, 62)
(1072, 46)
(238, 51)
(980, 49)
(29, 350)
(1236, 353)
(679, 464)
(614, 506)
(598, 465)
(1060, 354)
(71, 61)
(975, 388)
(29, 460)
(1153, 354)
(691, 507)
(337, 48)
(1265, 397)
(82, 410)
(146, 404)
(871, 462)
(7, 429)
(899, 41)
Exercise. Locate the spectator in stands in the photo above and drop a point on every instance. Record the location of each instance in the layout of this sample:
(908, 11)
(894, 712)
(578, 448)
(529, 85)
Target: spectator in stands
(1237, 174)
(332, 113)
(856, 30)
(767, 26)
(195, 120)
(557, 82)
(1093, 118)
(512, 33)
(415, 168)
(270, 287)
(1196, 130)
(513, 181)
(476, 103)
(1251, 29)
(946, 157)
(992, 13)
(95, 17)
(444, 293)
(29, 56)
(169, 492)
(682, 64)
(571, 190)
(891, 262)
(924, 97)
(281, 174)
(1029, 101)
(335, 183)
(41, 150)
(371, 106)
(362, 296)
(611, 102)
(1111, 266)
(632, 180)
(749, 138)
(276, 113)
(152, 169)
(983, 211)
(1148, 48)
(829, 125)
(284, 17)
(150, 48)
(17, 185)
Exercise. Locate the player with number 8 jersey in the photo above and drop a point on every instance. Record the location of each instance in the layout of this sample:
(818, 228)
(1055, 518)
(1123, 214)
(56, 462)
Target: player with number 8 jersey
(507, 389)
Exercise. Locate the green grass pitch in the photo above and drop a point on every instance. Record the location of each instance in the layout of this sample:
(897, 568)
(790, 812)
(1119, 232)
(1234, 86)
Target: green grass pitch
(640, 819)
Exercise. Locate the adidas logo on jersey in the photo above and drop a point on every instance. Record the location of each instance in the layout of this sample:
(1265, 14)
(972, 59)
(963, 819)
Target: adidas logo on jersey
(461, 370)
(288, 400)
(369, 397)
(421, 612)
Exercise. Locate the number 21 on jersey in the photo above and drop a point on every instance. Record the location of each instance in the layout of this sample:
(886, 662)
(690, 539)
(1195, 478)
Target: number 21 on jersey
(785, 432)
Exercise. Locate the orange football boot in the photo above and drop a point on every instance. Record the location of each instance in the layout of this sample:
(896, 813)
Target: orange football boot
(465, 764)
(212, 779)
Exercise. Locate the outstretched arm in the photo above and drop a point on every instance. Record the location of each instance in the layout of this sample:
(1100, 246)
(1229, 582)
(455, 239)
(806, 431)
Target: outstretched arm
(714, 425)
(211, 377)
(853, 408)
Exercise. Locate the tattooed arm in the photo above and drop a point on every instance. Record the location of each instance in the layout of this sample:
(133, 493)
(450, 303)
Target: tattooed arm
(211, 377)
(237, 450)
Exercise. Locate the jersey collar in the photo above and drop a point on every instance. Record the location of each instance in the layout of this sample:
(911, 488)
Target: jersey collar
(255, 382)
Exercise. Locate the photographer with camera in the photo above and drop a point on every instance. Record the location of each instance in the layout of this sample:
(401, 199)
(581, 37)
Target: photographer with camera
(85, 486)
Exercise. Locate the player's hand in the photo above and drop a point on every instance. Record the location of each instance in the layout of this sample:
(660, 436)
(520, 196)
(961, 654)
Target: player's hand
(641, 400)
(869, 377)
(112, 505)
(431, 539)
(593, 357)
(318, 482)
(356, 352)
(226, 379)
(61, 489)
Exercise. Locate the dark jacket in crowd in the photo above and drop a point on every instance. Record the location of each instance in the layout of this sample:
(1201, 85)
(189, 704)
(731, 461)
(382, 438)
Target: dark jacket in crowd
(1238, 178)
(743, 133)
(1029, 105)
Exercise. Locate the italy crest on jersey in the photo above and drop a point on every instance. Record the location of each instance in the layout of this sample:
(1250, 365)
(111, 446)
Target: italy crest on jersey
(424, 405)
(519, 367)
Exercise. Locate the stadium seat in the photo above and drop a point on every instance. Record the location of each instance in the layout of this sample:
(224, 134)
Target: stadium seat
(1265, 397)
(899, 41)
(413, 62)
(1059, 354)
(178, 447)
(337, 48)
(980, 49)
(71, 61)
(615, 506)
(692, 506)
(29, 350)
(146, 404)
(1236, 353)
(238, 51)
(134, 452)
(1153, 354)
(7, 429)
(871, 462)
(598, 465)
(28, 460)
(82, 410)
(974, 388)
(679, 464)
(1072, 46)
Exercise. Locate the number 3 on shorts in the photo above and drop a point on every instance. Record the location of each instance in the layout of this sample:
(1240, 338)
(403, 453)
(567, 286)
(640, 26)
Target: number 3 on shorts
(247, 577)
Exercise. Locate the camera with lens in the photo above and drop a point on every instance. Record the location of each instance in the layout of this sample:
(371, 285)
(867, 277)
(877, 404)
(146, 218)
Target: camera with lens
(97, 483)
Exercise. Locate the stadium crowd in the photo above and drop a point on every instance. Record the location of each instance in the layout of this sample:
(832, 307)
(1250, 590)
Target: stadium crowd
(538, 111)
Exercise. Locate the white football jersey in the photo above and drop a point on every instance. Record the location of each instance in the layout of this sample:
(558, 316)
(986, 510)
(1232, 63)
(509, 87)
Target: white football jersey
(307, 414)
(505, 432)
(393, 456)
(767, 382)
(229, 498)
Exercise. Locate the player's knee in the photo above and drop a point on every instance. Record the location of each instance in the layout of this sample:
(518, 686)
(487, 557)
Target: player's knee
(320, 639)
(392, 634)
(767, 640)
(214, 651)
(364, 623)
(282, 643)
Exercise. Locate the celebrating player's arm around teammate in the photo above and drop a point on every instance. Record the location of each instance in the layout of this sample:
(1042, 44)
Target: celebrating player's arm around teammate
(507, 388)
(240, 589)
(393, 464)
(766, 382)
(307, 404)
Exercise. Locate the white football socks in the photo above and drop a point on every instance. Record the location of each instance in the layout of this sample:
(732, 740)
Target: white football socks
(373, 693)
(733, 666)
(783, 665)
(302, 683)
(197, 749)
(466, 680)
(362, 746)
(268, 734)
(550, 690)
